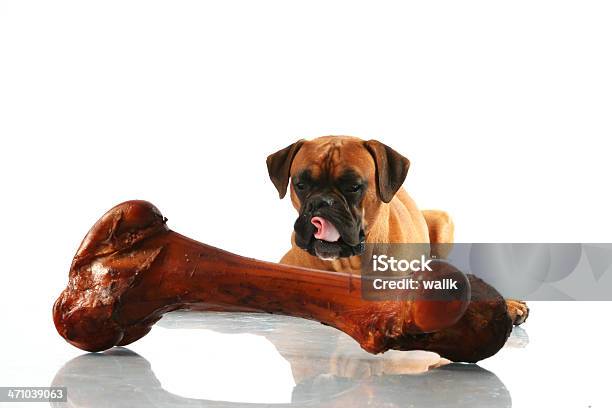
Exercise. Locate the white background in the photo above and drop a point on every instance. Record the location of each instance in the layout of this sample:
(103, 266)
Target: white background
(504, 109)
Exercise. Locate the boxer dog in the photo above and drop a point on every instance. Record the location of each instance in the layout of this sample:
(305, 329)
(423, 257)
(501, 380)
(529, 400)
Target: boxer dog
(348, 191)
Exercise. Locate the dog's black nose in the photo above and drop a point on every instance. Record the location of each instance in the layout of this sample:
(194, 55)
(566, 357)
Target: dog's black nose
(318, 202)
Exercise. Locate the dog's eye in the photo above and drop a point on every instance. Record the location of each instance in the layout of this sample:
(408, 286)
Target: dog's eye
(300, 186)
(354, 188)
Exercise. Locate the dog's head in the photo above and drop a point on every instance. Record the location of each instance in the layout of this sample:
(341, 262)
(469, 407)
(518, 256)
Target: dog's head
(337, 185)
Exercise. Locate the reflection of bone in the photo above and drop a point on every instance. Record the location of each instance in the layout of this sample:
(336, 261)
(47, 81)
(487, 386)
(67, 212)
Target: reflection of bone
(131, 269)
(302, 343)
(123, 379)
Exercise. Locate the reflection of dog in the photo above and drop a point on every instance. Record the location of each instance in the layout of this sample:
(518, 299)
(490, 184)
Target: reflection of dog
(348, 191)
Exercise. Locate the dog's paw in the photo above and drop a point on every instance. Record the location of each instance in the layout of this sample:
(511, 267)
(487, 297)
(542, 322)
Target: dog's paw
(518, 311)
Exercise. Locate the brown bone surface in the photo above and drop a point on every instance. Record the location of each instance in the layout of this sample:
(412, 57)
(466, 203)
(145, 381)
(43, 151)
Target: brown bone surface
(131, 269)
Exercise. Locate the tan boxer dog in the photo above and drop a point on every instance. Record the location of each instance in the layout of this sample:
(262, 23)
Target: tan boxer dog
(347, 192)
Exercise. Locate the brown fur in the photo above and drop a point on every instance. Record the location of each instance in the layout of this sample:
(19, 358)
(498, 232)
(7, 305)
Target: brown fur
(399, 221)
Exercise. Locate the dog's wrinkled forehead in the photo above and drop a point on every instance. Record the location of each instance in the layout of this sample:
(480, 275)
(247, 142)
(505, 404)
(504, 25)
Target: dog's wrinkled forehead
(332, 158)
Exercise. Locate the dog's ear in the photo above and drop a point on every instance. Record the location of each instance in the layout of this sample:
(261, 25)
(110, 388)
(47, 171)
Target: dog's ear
(279, 166)
(391, 169)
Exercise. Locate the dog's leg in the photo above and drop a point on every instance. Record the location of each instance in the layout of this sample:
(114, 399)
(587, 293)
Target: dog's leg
(518, 311)
(441, 232)
(440, 225)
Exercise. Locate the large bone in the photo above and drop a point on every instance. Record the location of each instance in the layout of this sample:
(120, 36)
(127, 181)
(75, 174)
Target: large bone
(131, 269)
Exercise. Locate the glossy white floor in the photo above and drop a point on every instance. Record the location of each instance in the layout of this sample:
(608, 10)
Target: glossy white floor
(559, 358)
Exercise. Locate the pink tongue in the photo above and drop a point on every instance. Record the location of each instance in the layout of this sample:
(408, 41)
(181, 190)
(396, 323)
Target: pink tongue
(326, 231)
